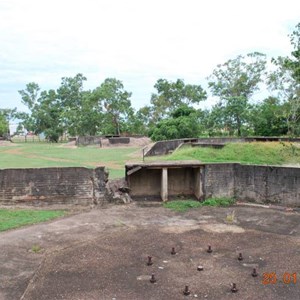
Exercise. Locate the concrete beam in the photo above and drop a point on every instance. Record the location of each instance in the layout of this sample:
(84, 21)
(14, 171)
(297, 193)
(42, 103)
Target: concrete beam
(164, 184)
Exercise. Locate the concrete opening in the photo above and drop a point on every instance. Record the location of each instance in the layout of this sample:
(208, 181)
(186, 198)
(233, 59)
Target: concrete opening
(165, 179)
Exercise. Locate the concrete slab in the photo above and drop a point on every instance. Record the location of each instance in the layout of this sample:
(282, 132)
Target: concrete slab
(101, 254)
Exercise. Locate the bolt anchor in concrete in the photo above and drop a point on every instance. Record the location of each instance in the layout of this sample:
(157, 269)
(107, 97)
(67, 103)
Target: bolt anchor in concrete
(240, 257)
(200, 268)
(173, 252)
(233, 288)
(209, 250)
(149, 262)
(153, 279)
(186, 291)
(254, 273)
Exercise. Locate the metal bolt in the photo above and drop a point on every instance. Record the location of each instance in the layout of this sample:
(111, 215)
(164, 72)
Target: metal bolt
(153, 279)
(173, 252)
(240, 257)
(149, 263)
(234, 289)
(209, 250)
(200, 268)
(186, 291)
(254, 273)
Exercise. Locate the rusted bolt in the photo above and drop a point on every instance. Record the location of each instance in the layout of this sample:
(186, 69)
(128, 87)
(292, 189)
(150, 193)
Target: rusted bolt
(173, 252)
(149, 262)
(200, 268)
(153, 279)
(186, 291)
(240, 257)
(233, 288)
(209, 250)
(254, 273)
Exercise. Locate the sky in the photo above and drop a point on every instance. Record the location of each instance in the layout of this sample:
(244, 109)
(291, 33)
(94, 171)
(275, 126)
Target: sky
(135, 41)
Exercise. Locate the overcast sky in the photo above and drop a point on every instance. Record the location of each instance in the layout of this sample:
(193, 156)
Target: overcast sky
(135, 41)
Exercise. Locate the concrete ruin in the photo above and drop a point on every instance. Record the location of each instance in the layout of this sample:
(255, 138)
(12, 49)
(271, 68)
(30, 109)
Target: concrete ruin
(171, 179)
(154, 180)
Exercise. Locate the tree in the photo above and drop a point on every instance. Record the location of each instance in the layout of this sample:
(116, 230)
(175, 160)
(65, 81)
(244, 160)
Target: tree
(115, 103)
(286, 81)
(71, 98)
(234, 83)
(4, 125)
(268, 118)
(171, 95)
(183, 123)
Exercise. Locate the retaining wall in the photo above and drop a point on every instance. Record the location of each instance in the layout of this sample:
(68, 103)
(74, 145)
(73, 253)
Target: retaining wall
(260, 184)
(53, 186)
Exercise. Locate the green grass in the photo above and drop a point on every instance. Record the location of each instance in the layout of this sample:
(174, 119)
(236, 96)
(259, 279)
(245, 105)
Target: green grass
(184, 205)
(270, 153)
(38, 155)
(10, 219)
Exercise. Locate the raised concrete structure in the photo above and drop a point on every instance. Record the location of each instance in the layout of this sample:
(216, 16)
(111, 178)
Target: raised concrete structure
(170, 179)
(165, 179)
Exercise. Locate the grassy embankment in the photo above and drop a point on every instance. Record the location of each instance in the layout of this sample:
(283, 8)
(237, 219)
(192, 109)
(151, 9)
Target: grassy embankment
(10, 219)
(270, 153)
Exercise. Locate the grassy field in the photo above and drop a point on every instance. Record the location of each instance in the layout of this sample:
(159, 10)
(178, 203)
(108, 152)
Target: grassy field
(16, 218)
(271, 153)
(34, 155)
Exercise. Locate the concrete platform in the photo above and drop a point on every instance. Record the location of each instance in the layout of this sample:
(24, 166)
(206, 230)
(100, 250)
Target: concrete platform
(102, 254)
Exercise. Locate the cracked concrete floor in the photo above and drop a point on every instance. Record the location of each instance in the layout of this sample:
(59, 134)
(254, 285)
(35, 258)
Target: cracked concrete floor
(102, 254)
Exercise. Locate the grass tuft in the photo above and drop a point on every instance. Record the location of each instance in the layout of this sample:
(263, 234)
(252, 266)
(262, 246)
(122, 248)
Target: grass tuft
(184, 205)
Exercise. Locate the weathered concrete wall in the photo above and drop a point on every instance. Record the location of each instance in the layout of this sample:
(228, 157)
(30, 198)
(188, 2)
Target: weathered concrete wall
(260, 184)
(119, 140)
(145, 183)
(88, 140)
(219, 180)
(264, 184)
(52, 186)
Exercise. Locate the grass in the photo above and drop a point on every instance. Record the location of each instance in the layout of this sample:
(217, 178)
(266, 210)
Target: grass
(38, 155)
(269, 153)
(184, 205)
(10, 219)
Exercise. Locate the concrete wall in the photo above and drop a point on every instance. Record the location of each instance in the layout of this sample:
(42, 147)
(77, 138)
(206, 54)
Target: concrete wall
(52, 186)
(88, 140)
(145, 183)
(219, 180)
(260, 184)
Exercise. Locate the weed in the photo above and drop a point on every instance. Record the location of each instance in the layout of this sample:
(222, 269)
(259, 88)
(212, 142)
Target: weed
(184, 205)
(36, 248)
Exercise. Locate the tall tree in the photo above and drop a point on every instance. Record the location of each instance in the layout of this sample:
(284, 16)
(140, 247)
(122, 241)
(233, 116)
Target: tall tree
(116, 104)
(4, 125)
(171, 95)
(234, 83)
(286, 81)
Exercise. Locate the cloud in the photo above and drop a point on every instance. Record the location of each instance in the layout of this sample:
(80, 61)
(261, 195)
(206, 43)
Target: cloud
(135, 41)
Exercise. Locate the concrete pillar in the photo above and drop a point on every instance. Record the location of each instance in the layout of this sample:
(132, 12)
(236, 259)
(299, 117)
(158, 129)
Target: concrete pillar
(198, 183)
(164, 184)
